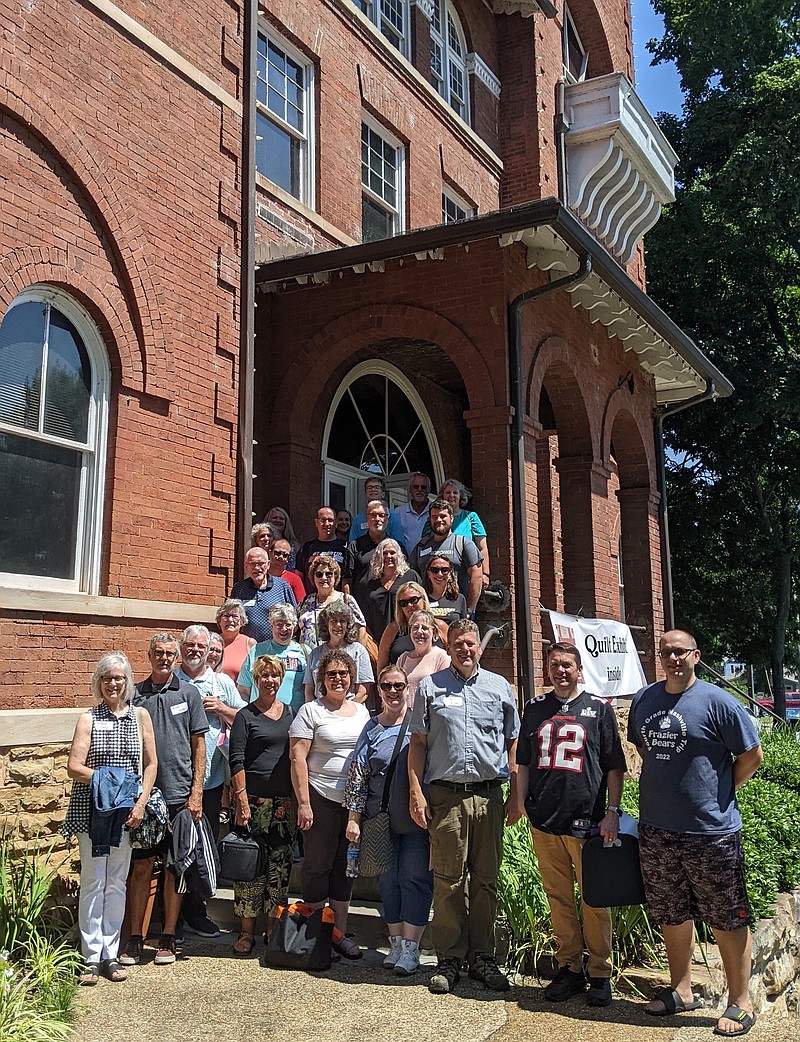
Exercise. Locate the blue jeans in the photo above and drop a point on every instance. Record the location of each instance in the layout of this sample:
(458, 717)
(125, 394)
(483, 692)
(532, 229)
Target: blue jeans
(407, 888)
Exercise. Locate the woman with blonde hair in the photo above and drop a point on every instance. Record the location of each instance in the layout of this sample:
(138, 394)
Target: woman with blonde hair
(280, 520)
(388, 572)
(424, 659)
(410, 597)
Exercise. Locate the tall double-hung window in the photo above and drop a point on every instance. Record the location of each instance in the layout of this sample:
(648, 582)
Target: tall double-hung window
(284, 117)
(449, 57)
(382, 183)
(391, 17)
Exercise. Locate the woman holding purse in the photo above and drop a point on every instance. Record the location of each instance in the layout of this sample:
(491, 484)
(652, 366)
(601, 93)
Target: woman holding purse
(381, 759)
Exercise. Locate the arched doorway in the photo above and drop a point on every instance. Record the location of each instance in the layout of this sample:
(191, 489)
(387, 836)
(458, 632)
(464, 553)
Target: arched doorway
(377, 424)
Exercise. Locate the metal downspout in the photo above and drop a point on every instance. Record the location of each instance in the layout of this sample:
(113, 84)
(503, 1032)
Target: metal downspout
(661, 473)
(522, 586)
(247, 291)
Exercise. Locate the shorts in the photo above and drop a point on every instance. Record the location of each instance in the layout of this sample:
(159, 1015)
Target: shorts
(173, 809)
(691, 877)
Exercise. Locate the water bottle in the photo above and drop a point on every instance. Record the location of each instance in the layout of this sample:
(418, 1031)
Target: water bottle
(353, 851)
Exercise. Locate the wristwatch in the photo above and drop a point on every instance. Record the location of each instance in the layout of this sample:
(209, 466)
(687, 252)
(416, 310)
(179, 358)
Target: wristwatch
(616, 810)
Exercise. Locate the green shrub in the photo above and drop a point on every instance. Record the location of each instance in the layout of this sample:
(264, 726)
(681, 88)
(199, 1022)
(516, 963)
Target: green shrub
(781, 758)
(770, 814)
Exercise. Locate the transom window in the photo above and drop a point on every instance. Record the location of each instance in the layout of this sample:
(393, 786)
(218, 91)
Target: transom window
(448, 57)
(382, 183)
(574, 54)
(53, 415)
(284, 94)
(454, 208)
(391, 17)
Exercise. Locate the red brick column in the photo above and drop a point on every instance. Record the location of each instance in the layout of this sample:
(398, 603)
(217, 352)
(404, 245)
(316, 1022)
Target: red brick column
(641, 569)
(588, 567)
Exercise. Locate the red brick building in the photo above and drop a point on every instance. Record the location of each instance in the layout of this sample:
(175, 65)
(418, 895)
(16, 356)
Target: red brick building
(445, 202)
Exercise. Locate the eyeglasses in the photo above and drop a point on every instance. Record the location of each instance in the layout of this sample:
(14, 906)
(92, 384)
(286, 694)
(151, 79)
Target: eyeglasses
(420, 488)
(165, 654)
(337, 674)
(285, 554)
(409, 601)
(230, 615)
(678, 653)
(439, 571)
(327, 520)
(323, 575)
(393, 685)
(377, 517)
(191, 646)
(113, 680)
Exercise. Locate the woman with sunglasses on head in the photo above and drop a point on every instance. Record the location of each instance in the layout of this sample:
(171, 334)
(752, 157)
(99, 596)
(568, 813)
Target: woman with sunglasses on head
(325, 573)
(338, 631)
(396, 639)
(407, 888)
(322, 737)
(388, 572)
(446, 603)
(424, 659)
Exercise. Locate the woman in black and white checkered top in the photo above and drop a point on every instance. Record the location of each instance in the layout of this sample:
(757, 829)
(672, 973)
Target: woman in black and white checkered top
(112, 734)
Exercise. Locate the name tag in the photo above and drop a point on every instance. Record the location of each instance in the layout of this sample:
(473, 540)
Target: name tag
(453, 701)
(250, 604)
(181, 707)
(425, 551)
(104, 725)
(293, 664)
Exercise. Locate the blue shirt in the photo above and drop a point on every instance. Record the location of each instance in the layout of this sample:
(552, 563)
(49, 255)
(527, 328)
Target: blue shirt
(219, 686)
(294, 657)
(257, 604)
(394, 530)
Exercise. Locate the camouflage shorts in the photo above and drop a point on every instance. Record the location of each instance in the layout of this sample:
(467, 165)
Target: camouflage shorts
(690, 877)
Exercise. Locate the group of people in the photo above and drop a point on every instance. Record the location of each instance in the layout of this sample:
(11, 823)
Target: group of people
(267, 724)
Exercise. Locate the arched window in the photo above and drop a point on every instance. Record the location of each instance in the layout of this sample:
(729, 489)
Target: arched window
(449, 57)
(53, 418)
(377, 424)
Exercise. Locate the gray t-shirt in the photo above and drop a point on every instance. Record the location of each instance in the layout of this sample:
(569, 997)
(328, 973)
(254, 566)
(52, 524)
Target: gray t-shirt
(177, 714)
(467, 723)
(688, 743)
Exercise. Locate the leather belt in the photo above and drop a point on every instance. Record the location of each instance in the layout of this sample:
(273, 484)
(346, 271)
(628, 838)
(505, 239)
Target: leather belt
(477, 786)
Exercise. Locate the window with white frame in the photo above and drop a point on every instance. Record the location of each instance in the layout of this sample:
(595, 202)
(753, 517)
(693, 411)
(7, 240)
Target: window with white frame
(53, 418)
(454, 208)
(449, 57)
(284, 112)
(382, 183)
(575, 57)
(391, 17)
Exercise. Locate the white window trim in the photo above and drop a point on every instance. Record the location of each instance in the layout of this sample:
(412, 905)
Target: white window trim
(442, 38)
(568, 76)
(88, 550)
(400, 148)
(308, 154)
(376, 16)
(454, 197)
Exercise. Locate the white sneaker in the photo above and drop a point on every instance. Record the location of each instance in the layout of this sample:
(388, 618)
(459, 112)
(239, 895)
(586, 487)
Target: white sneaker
(408, 962)
(395, 951)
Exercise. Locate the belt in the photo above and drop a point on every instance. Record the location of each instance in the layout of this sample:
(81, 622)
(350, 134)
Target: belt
(475, 786)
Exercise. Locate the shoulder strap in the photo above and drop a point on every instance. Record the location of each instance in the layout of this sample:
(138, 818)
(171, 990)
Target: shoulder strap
(137, 712)
(393, 762)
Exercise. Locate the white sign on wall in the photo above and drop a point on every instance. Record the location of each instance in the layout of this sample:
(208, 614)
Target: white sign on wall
(611, 665)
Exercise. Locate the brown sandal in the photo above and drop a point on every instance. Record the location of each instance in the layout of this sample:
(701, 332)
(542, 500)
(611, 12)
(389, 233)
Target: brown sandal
(244, 944)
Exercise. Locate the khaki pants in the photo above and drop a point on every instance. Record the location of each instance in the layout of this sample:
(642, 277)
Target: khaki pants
(558, 856)
(466, 836)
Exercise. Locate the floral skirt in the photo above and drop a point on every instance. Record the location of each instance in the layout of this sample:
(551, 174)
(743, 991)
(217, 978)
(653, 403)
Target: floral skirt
(274, 822)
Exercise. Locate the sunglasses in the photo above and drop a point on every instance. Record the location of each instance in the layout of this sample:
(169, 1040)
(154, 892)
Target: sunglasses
(393, 685)
(439, 571)
(285, 554)
(336, 674)
(408, 601)
(323, 575)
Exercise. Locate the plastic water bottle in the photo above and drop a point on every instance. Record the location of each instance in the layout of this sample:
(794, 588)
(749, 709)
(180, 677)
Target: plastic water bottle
(353, 851)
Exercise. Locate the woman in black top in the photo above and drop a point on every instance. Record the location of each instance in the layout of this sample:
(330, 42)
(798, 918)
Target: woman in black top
(262, 789)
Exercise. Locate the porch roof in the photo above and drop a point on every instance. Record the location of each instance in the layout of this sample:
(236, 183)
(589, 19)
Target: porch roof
(555, 241)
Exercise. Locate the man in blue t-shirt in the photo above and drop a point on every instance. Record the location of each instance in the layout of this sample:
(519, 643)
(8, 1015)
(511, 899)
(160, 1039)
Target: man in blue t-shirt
(698, 746)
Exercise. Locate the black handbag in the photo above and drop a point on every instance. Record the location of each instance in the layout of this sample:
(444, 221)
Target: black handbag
(376, 847)
(241, 856)
(300, 941)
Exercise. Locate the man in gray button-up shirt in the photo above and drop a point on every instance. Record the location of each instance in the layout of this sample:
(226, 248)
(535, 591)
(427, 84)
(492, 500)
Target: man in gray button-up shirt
(464, 729)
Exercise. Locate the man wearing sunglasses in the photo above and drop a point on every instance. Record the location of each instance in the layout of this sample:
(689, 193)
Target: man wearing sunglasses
(698, 746)
(278, 559)
(326, 542)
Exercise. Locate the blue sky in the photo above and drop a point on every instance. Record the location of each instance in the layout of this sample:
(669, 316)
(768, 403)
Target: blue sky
(659, 86)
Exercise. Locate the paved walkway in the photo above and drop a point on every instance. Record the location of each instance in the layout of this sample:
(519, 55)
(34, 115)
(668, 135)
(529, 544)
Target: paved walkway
(211, 994)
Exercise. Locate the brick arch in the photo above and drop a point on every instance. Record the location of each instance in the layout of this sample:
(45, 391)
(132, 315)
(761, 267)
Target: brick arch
(592, 32)
(553, 368)
(31, 265)
(634, 450)
(146, 367)
(318, 359)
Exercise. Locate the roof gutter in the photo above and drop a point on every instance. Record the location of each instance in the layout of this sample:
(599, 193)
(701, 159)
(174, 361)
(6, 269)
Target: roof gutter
(522, 584)
(710, 392)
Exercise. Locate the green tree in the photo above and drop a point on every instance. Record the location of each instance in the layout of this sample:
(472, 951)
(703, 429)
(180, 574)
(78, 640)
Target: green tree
(725, 262)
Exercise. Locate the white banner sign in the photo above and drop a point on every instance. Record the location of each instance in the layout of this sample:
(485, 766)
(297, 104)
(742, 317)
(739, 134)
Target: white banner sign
(611, 665)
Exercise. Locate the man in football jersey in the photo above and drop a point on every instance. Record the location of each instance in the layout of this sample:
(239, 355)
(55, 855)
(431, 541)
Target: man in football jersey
(571, 766)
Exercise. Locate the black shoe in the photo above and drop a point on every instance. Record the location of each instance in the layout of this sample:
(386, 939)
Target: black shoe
(599, 991)
(486, 970)
(131, 954)
(205, 927)
(565, 985)
(445, 976)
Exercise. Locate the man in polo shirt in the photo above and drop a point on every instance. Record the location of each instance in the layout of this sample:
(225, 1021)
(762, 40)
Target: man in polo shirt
(258, 592)
(462, 553)
(179, 725)
(327, 542)
(413, 515)
(464, 728)
(221, 703)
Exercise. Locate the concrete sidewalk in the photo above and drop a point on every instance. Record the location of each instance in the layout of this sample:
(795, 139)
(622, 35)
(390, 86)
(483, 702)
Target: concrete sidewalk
(211, 994)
